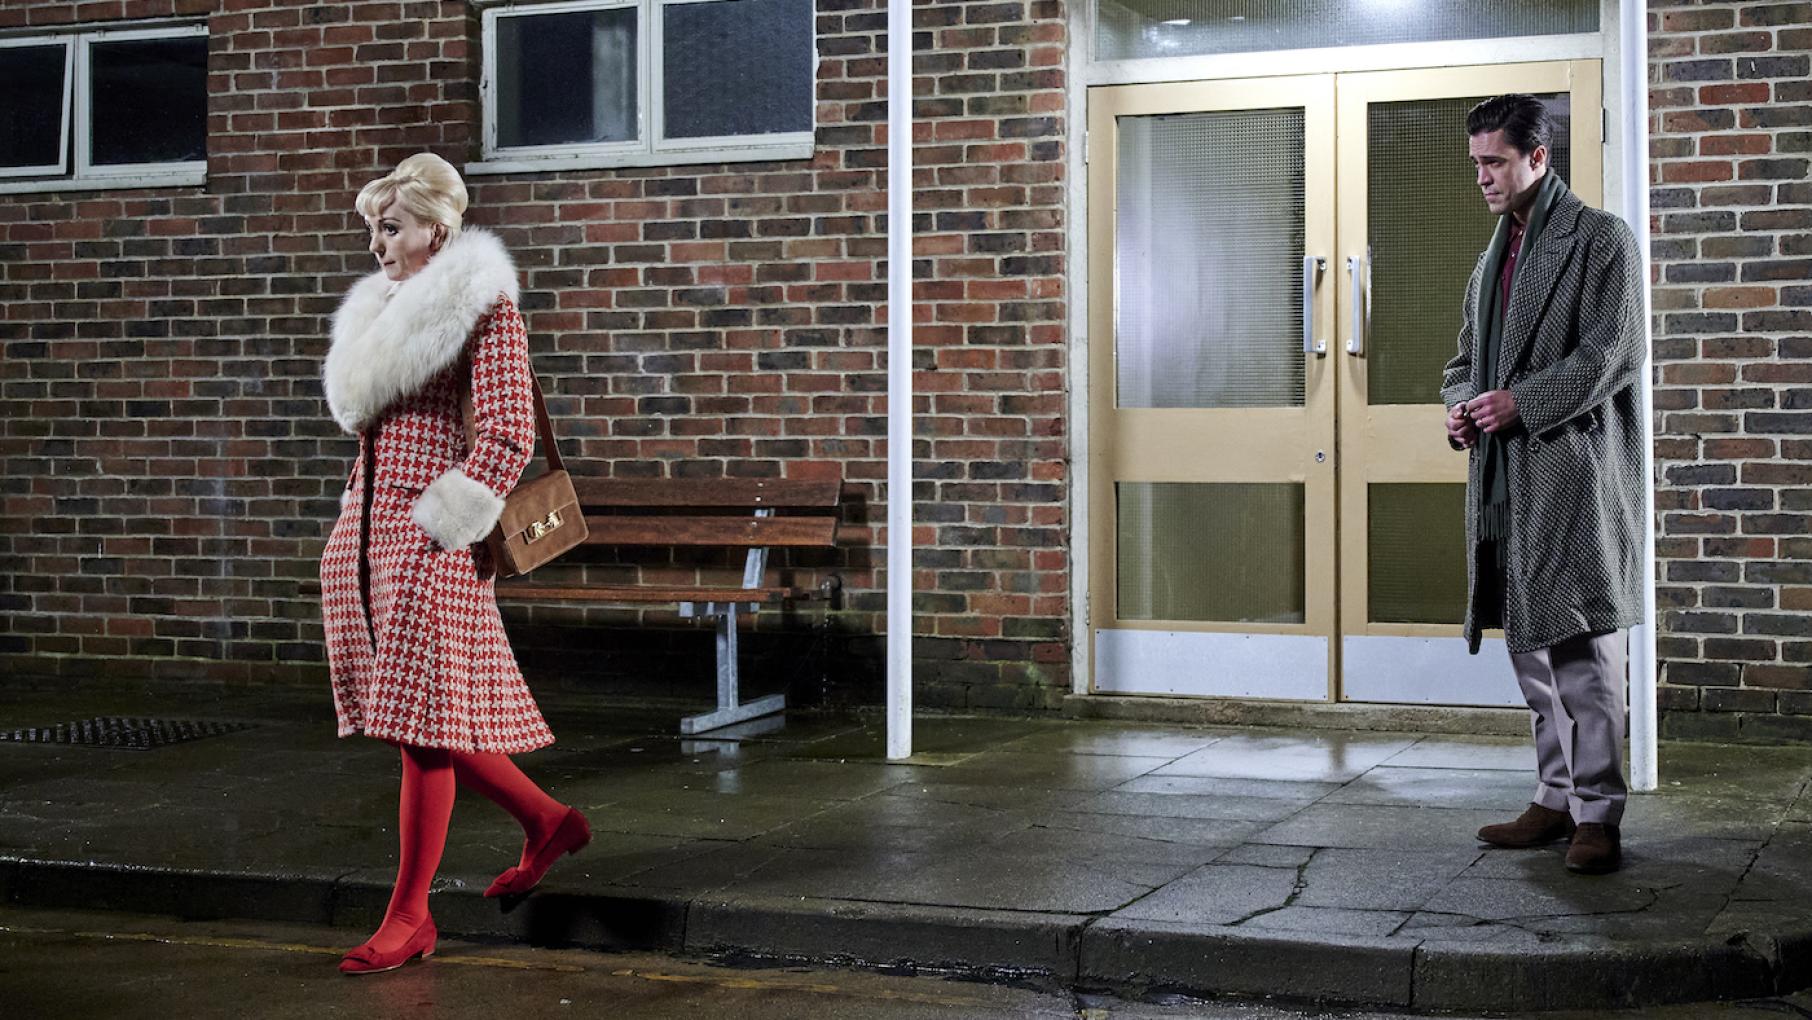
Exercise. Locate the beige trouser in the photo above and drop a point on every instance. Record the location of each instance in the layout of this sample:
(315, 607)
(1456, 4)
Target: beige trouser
(1575, 694)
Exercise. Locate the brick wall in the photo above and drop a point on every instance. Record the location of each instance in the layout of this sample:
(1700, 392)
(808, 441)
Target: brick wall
(169, 469)
(1731, 99)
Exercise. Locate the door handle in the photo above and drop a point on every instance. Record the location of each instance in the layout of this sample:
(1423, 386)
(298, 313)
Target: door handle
(1361, 296)
(1312, 265)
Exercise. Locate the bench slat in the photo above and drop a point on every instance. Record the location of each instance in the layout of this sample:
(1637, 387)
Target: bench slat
(745, 493)
(744, 532)
(637, 593)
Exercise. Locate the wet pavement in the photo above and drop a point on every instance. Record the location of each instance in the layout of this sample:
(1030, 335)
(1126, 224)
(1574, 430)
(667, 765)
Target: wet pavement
(1309, 865)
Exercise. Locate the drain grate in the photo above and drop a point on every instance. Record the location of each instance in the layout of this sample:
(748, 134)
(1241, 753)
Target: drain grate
(123, 733)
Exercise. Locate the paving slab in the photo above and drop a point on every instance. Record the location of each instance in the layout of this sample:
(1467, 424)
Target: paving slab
(1781, 868)
(1322, 865)
(1210, 833)
(1266, 855)
(1481, 789)
(1688, 814)
(1215, 894)
(1004, 798)
(1049, 770)
(1382, 826)
(1329, 920)
(1428, 927)
(1501, 899)
(897, 822)
(1174, 805)
(1073, 838)
(1144, 742)
(959, 736)
(1760, 773)
(1502, 753)
(1314, 757)
(984, 879)
(1379, 879)
(689, 868)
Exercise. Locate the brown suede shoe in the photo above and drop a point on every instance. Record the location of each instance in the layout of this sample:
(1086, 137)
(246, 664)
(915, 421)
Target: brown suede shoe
(1536, 827)
(1596, 849)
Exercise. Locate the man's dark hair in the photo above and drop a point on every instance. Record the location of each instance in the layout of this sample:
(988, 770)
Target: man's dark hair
(1522, 117)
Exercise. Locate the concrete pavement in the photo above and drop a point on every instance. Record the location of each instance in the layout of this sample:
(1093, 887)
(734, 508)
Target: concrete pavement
(1316, 866)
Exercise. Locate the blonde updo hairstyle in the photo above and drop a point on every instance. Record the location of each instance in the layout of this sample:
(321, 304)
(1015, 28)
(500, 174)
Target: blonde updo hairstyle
(428, 188)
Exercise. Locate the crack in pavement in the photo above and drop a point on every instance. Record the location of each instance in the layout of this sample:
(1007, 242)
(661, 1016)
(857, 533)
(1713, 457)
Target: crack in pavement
(1302, 883)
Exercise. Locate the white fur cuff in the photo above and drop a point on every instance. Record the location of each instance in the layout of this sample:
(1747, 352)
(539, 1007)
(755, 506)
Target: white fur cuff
(457, 511)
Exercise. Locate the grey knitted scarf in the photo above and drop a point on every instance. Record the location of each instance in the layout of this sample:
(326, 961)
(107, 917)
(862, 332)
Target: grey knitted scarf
(1494, 477)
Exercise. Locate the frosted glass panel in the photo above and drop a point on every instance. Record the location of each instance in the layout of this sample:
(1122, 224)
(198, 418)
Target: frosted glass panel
(1127, 29)
(1220, 551)
(1427, 224)
(1416, 552)
(1208, 260)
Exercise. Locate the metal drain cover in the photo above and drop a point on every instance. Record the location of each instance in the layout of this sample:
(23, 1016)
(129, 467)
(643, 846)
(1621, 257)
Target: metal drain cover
(123, 733)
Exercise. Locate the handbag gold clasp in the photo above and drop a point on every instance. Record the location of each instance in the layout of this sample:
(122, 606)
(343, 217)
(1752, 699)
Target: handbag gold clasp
(545, 526)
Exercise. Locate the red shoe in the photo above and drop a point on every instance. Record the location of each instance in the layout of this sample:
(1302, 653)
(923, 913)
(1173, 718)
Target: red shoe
(569, 837)
(366, 960)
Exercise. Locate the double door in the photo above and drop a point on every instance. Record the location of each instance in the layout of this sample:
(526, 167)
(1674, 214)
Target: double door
(1276, 271)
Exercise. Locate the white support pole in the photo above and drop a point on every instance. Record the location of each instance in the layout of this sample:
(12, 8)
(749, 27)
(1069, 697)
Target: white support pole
(899, 379)
(1633, 24)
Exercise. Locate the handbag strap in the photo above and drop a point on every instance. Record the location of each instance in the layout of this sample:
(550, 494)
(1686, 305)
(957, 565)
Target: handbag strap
(544, 426)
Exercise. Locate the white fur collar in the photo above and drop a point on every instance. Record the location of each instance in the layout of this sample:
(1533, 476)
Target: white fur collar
(388, 340)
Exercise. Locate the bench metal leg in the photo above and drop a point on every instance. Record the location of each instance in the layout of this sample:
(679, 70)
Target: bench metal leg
(729, 708)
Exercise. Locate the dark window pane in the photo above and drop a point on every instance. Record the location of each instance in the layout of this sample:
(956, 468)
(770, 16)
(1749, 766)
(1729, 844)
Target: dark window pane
(31, 115)
(737, 67)
(150, 100)
(567, 78)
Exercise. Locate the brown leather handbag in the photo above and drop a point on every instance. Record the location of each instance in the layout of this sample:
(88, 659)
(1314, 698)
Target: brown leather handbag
(541, 517)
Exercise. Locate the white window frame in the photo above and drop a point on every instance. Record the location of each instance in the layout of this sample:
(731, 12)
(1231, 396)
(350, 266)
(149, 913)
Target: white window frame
(78, 119)
(649, 148)
(61, 166)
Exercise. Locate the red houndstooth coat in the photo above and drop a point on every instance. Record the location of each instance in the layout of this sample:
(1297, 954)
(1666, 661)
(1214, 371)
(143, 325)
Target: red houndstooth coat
(415, 646)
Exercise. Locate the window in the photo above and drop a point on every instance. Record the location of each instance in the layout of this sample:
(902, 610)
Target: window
(35, 77)
(1134, 29)
(104, 109)
(647, 82)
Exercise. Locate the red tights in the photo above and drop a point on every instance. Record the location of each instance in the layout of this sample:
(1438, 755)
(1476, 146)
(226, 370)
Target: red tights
(429, 778)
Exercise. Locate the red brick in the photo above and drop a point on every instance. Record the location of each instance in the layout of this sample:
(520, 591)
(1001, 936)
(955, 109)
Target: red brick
(1697, 171)
(1746, 93)
(1735, 145)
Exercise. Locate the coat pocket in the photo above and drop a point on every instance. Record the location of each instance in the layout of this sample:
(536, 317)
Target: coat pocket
(1589, 422)
(392, 504)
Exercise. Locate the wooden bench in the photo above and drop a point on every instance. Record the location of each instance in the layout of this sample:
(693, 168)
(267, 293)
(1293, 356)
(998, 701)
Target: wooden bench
(702, 514)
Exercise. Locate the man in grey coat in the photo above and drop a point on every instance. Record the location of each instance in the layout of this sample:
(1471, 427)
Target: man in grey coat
(1544, 392)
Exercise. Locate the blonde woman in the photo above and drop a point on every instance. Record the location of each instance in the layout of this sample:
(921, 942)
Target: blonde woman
(415, 647)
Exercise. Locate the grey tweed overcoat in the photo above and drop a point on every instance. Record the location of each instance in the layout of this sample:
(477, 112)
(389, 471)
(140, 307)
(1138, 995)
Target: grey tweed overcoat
(1572, 356)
